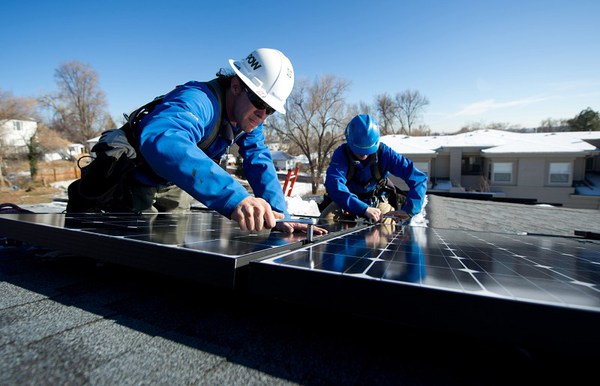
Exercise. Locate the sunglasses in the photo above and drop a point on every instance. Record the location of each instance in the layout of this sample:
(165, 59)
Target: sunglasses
(257, 102)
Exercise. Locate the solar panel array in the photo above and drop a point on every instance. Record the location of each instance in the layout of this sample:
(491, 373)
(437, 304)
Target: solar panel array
(426, 276)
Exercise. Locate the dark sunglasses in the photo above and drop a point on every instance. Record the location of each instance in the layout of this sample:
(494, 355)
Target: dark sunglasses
(257, 102)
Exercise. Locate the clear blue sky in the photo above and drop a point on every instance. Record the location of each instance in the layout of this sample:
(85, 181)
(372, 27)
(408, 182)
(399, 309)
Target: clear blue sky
(514, 61)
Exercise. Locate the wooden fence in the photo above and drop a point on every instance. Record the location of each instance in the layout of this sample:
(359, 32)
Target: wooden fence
(47, 175)
(49, 172)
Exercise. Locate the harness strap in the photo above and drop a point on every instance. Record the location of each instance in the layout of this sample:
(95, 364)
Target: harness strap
(375, 169)
(136, 117)
(214, 86)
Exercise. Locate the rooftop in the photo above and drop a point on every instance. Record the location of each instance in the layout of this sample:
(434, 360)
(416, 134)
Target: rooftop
(497, 141)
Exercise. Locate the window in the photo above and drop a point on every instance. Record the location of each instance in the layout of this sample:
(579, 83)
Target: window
(502, 172)
(559, 172)
(589, 164)
(17, 125)
(471, 165)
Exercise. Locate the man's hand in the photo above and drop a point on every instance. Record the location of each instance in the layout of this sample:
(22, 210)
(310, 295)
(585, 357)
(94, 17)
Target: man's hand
(373, 214)
(255, 214)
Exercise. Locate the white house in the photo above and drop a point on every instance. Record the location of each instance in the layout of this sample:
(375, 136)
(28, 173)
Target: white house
(72, 151)
(15, 133)
(282, 160)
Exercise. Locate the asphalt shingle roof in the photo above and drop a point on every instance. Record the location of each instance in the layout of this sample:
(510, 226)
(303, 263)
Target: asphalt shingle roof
(489, 216)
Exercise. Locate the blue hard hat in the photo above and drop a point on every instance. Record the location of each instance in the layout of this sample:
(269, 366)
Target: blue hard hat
(362, 135)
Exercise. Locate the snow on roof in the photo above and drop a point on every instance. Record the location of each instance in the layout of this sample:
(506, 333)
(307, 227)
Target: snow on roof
(561, 142)
(407, 145)
(497, 142)
(281, 156)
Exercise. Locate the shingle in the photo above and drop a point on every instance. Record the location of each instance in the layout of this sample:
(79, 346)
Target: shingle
(489, 216)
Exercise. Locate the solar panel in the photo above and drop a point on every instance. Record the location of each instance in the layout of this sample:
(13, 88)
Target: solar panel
(204, 246)
(526, 288)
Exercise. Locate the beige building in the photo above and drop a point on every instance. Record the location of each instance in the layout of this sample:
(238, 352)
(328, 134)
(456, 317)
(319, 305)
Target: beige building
(552, 168)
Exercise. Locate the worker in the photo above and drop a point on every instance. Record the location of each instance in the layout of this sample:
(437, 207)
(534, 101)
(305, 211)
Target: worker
(176, 138)
(357, 180)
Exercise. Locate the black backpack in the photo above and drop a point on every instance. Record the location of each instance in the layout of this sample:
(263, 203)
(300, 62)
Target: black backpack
(103, 186)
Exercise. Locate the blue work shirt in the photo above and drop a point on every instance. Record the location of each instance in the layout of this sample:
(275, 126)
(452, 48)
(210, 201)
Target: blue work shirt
(345, 193)
(169, 137)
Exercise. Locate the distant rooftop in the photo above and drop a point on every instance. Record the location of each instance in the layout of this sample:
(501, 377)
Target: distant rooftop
(498, 142)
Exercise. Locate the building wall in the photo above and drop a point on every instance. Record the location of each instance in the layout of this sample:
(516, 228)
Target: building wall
(531, 180)
(455, 166)
(530, 172)
(441, 167)
(11, 137)
(424, 160)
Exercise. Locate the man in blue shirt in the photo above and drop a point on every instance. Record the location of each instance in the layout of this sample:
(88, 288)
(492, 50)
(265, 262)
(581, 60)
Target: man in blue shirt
(362, 193)
(177, 141)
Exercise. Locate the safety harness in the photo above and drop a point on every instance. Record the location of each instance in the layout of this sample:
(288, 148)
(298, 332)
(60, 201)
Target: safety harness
(373, 159)
(103, 185)
(133, 119)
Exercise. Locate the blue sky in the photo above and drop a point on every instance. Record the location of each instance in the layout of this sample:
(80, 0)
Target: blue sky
(486, 61)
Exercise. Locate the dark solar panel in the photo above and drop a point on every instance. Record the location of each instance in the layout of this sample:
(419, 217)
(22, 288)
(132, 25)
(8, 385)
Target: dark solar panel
(204, 246)
(527, 286)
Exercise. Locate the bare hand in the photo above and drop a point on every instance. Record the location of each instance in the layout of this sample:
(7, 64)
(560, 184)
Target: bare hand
(373, 214)
(255, 214)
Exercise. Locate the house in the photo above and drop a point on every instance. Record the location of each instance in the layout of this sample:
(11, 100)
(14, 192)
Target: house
(15, 134)
(71, 152)
(282, 160)
(561, 168)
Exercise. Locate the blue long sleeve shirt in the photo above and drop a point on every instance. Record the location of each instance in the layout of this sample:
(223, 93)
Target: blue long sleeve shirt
(345, 193)
(169, 137)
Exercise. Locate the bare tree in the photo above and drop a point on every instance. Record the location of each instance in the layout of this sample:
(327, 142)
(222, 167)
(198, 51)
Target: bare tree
(552, 125)
(314, 122)
(49, 140)
(387, 110)
(421, 131)
(409, 104)
(79, 107)
(12, 107)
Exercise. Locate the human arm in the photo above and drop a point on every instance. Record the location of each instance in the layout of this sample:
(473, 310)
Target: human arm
(416, 180)
(168, 141)
(336, 184)
(259, 170)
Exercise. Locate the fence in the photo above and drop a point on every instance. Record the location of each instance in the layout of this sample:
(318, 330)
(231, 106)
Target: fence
(51, 172)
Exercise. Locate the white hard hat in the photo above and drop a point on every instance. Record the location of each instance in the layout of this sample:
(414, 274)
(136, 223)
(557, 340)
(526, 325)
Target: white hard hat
(268, 73)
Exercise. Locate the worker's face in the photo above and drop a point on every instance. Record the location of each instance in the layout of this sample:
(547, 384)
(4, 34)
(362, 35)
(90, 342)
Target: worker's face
(245, 113)
(360, 157)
